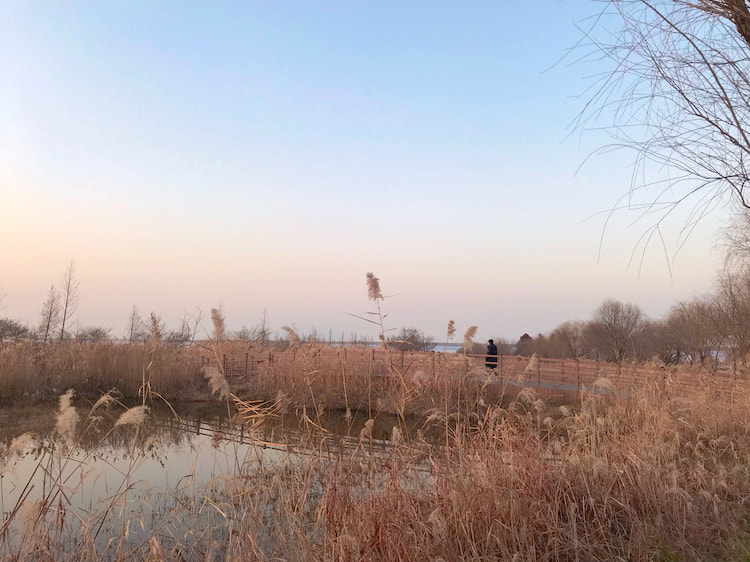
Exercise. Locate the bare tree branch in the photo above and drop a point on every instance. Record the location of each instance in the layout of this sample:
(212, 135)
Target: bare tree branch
(678, 96)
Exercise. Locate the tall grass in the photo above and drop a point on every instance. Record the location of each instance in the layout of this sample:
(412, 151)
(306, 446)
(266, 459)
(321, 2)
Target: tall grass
(662, 474)
(652, 476)
(321, 379)
(31, 371)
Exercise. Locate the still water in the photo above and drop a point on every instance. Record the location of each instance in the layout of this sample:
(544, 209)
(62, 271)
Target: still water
(118, 485)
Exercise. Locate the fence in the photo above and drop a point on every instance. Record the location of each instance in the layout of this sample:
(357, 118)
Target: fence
(547, 375)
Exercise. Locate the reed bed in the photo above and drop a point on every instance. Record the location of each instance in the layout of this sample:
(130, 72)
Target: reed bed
(655, 472)
(32, 371)
(371, 382)
(647, 477)
(317, 379)
(653, 476)
(661, 474)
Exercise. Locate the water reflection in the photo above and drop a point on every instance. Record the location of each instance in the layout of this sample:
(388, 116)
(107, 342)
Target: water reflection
(166, 477)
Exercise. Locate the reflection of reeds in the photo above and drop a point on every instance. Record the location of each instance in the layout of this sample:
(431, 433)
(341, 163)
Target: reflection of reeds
(62, 466)
(256, 414)
(617, 477)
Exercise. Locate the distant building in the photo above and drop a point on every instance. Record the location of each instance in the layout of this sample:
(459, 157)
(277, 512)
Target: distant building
(525, 345)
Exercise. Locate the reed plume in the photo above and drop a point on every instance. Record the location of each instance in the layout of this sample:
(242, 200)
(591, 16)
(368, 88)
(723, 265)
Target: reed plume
(22, 443)
(217, 382)
(133, 416)
(67, 418)
(604, 384)
(104, 401)
(373, 287)
(451, 329)
(366, 431)
(155, 329)
(294, 339)
(531, 366)
(468, 343)
(217, 318)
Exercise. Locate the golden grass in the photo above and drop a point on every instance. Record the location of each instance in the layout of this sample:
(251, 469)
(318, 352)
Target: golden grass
(640, 478)
(661, 474)
(32, 371)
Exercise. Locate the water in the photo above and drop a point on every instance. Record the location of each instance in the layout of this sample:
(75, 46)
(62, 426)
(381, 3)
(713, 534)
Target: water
(172, 476)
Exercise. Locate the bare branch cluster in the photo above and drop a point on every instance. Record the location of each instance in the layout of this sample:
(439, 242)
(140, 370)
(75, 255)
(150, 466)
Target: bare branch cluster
(678, 95)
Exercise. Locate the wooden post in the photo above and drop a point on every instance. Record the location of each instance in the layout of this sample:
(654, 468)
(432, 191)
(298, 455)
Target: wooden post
(562, 370)
(538, 373)
(433, 363)
(578, 375)
(246, 363)
(224, 364)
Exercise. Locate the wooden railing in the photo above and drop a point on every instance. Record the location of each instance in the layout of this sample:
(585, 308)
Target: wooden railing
(564, 374)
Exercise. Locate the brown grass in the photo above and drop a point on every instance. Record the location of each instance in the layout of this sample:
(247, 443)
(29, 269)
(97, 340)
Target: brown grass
(648, 477)
(321, 379)
(32, 371)
(661, 474)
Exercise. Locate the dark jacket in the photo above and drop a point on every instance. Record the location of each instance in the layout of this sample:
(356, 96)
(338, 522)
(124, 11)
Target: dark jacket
(491, 354)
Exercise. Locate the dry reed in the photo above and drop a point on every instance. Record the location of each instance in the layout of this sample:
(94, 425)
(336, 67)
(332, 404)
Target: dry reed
(373, 288)
(468, 345)
(659, 474)
(33, 372)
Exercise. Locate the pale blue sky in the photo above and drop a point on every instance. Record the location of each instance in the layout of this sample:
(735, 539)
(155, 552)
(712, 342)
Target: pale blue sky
(268, 154)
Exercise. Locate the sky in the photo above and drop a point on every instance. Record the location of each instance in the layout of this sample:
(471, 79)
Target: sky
(267, 155)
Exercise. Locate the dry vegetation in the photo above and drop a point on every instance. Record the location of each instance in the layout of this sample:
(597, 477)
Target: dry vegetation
(34, 371)
(471, 471)
(316, 378)
(659, 474)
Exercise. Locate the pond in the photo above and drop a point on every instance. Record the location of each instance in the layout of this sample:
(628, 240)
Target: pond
(172, 476)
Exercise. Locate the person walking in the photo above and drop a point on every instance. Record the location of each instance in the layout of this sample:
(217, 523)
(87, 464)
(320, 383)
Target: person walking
(491, 360)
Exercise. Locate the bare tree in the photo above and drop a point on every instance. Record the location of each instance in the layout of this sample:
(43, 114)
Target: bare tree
(567, 339)
(692, 331)
(678, 96)
(733, 307)
(617, 327)
(69, 298)
(11, 330)
(92, 334)
(49, 315)
(411, 339)
(136, 329)
(657, 341)
(188, 330)
(260, 333)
